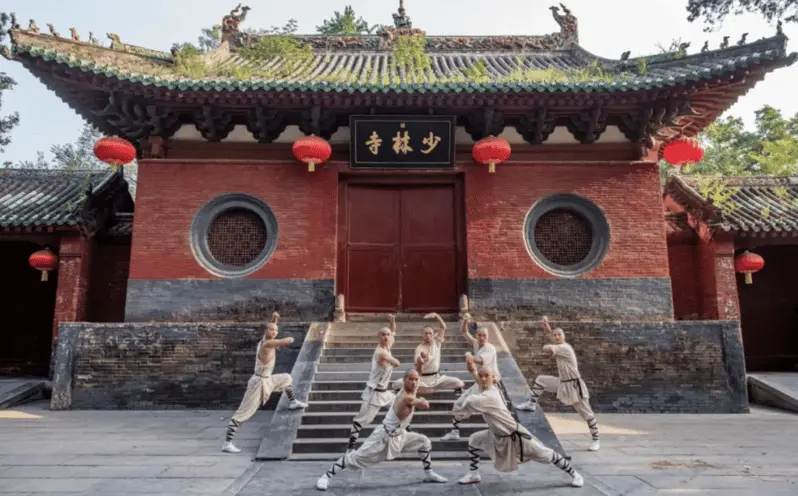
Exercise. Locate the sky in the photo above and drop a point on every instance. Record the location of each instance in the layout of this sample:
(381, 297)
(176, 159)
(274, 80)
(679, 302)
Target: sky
(606, 28)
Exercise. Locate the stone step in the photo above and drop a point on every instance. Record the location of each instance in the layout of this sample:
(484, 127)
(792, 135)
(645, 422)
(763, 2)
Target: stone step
(354, 395)
(402, 357)
(408, 345)
(352, 406)
(365, 366)
(326, 431)
(362, 376)
(402, 319)
(338, 445)
(367, 352)
(355, 385)
(345, 418)
(414, 336)
(436, 455)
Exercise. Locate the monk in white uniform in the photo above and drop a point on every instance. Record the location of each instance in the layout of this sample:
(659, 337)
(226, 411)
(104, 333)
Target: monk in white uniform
(262, 383)
(484, 356)
(390, 438)
(428, 354)
(507, 442)
(569, 386)
(376, 395)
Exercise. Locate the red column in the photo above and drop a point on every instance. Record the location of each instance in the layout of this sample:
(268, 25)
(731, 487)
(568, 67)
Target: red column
(71, 297)
(718, 280)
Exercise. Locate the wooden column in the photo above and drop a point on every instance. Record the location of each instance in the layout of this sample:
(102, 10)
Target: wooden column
(71, 297)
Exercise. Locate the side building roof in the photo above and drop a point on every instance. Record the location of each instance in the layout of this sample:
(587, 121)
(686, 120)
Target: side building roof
(746, 206)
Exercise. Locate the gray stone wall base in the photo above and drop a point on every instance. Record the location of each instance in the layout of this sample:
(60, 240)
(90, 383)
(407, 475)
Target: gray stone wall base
(239, 300)
(572, 299)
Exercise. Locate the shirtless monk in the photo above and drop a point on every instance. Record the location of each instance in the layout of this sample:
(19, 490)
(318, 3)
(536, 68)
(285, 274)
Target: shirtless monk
(376, 395)
(262, 383)
(390, 438)
(506, 441)
(569, 386)
(428, 356)
(484, 356)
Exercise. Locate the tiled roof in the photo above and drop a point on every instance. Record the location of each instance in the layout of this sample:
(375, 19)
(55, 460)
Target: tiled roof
(45, 198)
(122, 226)
(751, 206)
(505, 67)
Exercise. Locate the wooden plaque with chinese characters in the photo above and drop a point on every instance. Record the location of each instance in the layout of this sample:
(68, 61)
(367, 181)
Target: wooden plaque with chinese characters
(397, 142)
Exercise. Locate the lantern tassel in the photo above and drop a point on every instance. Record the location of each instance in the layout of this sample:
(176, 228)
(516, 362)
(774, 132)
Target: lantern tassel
(748, 278)
(44, 276)
(311, 166)
(492, 167)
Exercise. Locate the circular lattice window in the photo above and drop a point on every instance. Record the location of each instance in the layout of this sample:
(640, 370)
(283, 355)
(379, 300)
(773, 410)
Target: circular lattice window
(566, 234)
(233, 235)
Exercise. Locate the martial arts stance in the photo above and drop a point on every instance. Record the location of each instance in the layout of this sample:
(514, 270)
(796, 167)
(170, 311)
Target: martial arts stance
(484, 356)
(570, 388)
(506, 441)
(376, 395)
(390, 438)
(262, 383)
(428, 356)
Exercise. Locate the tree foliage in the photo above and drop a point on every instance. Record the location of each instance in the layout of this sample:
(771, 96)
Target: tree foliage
(346, 23)
(771, 148)
(7, 122)
(714, 11)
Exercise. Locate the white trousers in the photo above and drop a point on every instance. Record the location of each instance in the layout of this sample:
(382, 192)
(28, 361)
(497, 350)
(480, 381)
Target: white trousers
(258, 392)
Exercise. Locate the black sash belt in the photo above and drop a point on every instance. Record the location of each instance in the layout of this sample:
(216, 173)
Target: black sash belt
(380, 390)
(519, 436)
(578, 386)
(430, 373)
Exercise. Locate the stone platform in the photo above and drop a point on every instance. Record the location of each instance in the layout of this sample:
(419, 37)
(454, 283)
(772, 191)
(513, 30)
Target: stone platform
(776, 389)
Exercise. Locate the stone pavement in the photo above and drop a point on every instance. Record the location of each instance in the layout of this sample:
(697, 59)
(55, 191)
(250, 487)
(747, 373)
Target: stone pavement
(177, 452)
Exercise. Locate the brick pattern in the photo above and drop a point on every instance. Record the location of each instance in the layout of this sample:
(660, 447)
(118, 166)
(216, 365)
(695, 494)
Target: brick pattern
(685, 270)
(108, 284)
(74, 271)
(572, 299)
(240, 300)
(629, 195)
(169, 194)
(671, 367)
(168, 365)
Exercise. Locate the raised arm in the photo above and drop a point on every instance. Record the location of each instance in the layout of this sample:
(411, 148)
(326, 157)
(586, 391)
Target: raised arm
(546, 326)
(384, 358)
(421, 359)
(416, 402)
(275, 318)
(276, 343)
(465, 332)
(471, 366)
(392, 323)
(441, 324)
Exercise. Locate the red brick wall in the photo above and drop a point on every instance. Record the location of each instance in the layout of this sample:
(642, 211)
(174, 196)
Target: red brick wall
(74, 266)
(685, 277)
(108, 286)
(170, 193)
(629, 195)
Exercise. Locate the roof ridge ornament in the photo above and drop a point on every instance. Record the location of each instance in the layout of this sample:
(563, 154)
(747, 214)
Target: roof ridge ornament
(569, 27)
(401, 19)
(231, 21)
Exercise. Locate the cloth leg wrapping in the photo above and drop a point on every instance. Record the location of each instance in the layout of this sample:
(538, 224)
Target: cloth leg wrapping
(562, 463)
(544, 383)
(364, 417)
(584, 411)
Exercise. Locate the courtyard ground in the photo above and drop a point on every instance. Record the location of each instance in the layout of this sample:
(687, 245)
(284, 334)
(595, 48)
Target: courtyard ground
(177, 452)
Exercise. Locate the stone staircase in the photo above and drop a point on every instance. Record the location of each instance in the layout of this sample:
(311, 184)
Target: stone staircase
(340, 378)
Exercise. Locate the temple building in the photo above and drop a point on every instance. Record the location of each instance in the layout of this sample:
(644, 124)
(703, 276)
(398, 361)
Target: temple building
(397, 215)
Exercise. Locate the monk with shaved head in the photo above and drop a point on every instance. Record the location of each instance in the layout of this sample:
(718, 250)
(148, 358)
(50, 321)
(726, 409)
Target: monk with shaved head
(506, 441)
(390, 438)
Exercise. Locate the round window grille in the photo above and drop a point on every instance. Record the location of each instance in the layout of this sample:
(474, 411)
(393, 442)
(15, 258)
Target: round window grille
(236, 237)
(233, 235)
(563, 237)
(566, 235)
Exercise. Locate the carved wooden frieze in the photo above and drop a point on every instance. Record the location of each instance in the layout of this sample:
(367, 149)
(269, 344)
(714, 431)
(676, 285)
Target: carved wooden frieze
(483, 123)
(133, 120)
(536, 126)
(265, 124)
(587, 126)
(654, 120)
(319, 122)
(213, 123)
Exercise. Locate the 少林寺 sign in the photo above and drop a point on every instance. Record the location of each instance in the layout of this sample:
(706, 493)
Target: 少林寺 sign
(402, 141)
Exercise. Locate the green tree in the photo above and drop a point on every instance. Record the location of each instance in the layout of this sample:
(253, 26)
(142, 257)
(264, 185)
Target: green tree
(346, 23)
(8, 122)
(713, 12)
(80, 154)
(771, 148)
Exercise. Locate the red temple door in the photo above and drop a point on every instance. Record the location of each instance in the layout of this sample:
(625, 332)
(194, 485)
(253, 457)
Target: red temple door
(400, 248)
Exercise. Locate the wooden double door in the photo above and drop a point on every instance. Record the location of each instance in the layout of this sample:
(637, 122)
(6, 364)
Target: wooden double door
(401, 244)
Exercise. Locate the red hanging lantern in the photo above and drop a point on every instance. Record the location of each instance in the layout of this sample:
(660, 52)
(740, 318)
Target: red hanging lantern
(114, 151)
(683, 151)
(491, 151)
(312, 150)
(43, 260)
(748, 263)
